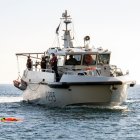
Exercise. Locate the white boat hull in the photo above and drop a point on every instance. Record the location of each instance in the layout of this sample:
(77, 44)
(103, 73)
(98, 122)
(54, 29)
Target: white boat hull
(44, 94)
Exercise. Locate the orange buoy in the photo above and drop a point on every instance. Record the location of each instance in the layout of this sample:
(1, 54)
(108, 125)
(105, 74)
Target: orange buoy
(9, 119)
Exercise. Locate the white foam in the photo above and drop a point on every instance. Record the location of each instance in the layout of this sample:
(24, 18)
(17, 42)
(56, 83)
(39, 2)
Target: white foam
(119, 107)
(10, 99)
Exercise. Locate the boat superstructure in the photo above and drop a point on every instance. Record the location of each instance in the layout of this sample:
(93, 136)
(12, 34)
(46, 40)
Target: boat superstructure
(88, 79)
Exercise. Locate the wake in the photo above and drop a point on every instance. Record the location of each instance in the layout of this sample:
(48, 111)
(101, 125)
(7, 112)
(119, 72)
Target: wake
(10, 99)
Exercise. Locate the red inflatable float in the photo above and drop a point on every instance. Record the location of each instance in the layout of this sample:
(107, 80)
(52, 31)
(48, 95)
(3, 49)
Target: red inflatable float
(9, 119)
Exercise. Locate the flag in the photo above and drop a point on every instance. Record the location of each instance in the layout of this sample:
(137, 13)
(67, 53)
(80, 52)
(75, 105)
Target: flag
(57, 29)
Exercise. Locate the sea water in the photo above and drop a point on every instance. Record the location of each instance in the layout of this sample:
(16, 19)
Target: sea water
(70, 123)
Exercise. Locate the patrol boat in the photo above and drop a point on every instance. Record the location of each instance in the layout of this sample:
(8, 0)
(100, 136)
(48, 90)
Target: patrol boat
(88, 79)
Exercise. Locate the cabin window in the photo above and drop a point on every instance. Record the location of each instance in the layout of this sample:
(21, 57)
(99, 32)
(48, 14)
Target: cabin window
(89, 59)
(73, 59)
(103, 58)
(60, 60)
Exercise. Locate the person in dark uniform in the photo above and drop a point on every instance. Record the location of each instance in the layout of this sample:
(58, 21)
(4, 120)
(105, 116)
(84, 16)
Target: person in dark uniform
(29, 63)
(71, 61)
(53, 63)
(43, 64)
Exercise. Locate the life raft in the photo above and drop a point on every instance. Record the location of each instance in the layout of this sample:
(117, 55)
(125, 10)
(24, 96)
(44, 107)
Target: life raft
(16, 83)
(22, 85)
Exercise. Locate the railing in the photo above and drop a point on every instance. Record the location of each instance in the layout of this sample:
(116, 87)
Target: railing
(80, 72)
(115, 71)
(42, 70)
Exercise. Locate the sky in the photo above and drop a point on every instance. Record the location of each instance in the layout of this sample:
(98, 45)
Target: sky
(29, 26)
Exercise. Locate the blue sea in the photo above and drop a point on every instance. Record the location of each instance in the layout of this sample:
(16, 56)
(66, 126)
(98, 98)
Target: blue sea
(70, 123)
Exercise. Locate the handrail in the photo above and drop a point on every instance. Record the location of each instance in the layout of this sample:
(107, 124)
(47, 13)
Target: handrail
(43, 70)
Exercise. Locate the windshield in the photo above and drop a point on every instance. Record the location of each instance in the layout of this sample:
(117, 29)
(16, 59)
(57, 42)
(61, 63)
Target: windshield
(73, 59)
(103, 58)
(89, 59)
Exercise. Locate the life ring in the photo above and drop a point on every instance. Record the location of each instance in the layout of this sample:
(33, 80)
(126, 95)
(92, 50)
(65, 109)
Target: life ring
(86, 38)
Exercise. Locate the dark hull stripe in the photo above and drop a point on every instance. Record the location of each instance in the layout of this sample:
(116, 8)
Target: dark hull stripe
(67, 84)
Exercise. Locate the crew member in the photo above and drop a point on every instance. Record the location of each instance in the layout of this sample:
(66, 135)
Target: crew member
(43, 64)
(88, 60)
(71, 61)
(53, 63)
(29, 63)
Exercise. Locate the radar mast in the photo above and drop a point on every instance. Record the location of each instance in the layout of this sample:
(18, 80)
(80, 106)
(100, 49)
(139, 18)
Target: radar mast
(67, 37)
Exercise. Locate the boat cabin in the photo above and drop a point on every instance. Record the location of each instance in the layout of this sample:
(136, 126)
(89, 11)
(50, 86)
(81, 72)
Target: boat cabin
(79, 61)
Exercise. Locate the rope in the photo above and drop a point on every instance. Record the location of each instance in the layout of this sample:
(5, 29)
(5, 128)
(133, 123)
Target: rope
(18, 69)
(36, 88)
(74, 34)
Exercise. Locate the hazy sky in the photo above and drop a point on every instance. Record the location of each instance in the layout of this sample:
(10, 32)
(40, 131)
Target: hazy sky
(29, 26)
